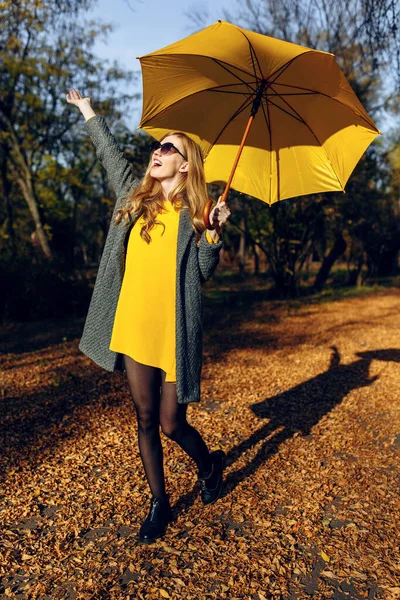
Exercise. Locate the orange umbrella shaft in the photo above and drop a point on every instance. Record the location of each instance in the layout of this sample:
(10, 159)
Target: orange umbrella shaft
(246, 133)
(207, 207)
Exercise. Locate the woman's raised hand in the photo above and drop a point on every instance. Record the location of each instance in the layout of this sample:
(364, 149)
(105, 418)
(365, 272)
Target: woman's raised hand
(74, 97)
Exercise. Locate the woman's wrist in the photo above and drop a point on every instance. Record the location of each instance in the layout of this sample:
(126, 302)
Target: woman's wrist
(87, 111)
(214, 233)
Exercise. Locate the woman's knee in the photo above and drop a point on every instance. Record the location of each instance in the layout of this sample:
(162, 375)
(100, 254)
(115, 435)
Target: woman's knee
(172, 428)
(147, 420)
(172, 414)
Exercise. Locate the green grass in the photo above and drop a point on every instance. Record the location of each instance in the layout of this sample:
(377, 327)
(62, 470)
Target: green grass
(235, 290)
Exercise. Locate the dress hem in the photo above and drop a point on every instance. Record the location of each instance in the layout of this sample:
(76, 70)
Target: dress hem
(145, 364)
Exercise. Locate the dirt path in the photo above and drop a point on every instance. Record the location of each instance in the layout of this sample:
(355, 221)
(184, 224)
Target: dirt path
(305, 403)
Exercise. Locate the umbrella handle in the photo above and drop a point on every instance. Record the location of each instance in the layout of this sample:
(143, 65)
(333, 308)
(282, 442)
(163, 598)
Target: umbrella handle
(206, 214)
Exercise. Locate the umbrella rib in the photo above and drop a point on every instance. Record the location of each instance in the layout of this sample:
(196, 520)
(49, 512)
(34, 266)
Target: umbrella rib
(236, 93)
(283, 68)
(225, 85)
(254, 56)
(219, 88)
(269, 125)
(286, 111)
(321, 146)
(294, 94)
(185, 98)
(296, 87)
(247, 102)
(287, 65)
(223, 66)
(216, 60)
(329, 98)
(241, 108)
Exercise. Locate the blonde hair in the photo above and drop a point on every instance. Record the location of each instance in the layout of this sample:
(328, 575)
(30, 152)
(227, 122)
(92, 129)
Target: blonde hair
(191, 191)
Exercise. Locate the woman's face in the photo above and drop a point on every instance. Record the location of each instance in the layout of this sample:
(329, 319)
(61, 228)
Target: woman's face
(167, 166)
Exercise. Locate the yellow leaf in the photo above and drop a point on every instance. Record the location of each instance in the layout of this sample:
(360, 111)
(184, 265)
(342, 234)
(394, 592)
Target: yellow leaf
(324, 556)
(164, 593)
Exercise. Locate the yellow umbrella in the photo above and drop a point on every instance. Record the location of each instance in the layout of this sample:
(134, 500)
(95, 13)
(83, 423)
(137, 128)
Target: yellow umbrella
(286, 110)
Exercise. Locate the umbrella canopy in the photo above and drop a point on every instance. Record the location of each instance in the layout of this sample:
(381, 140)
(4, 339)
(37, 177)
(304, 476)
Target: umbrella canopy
(308, 127)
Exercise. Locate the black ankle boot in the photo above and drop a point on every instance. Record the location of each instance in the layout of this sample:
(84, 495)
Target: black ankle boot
(155, 524)
(211, 485)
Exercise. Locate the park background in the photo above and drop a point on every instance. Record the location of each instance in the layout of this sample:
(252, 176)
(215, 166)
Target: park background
(300, 377)
(56, 199)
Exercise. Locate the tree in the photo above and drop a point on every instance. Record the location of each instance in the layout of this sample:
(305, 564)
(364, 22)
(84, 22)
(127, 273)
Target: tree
(364, 37)
(44, 51)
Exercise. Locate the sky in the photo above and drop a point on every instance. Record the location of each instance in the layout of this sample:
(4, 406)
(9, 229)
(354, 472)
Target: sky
(142, 26)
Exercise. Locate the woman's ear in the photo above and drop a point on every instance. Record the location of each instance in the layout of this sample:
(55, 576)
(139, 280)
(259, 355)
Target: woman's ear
(184, 168)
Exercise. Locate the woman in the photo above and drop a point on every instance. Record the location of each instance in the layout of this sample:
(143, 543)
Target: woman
(145, 313)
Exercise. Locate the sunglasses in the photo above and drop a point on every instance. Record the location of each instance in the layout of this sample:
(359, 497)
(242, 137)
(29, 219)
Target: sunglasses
(166, 148)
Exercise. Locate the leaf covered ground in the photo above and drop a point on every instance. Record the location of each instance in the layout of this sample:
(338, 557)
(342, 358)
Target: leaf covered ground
(304, 400)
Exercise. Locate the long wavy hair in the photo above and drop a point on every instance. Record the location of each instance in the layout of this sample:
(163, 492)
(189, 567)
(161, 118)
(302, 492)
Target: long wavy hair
(190, 192)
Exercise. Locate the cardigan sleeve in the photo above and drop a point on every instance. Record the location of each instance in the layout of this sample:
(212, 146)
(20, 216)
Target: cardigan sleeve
(208, 255)
(110, 156)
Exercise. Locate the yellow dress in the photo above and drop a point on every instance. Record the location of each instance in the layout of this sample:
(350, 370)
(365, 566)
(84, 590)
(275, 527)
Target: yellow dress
(144, 323)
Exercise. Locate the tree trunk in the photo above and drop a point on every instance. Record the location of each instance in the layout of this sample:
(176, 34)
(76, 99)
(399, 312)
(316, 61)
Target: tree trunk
(360, 278)
(337, 250)
(71, 251)
(256, 256)
(10, 216)
(84, 254)
(242, 246)
(23, 176)
(27, 191)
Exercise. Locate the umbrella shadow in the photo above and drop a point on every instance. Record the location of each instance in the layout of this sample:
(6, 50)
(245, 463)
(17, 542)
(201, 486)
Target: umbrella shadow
(302, 407)
(296, 410)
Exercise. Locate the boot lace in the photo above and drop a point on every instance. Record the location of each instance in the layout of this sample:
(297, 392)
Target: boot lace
(203, 480)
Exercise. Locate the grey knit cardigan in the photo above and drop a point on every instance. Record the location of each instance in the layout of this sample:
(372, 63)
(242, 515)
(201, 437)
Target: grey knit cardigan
(195, 264)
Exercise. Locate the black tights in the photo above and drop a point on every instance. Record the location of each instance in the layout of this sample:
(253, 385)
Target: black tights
(156, 404)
